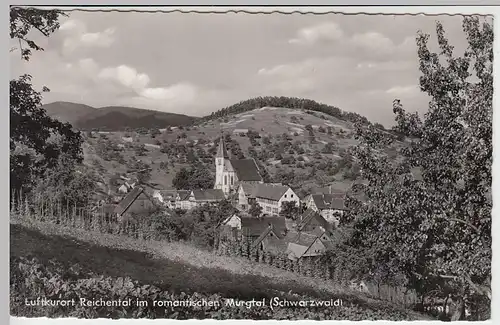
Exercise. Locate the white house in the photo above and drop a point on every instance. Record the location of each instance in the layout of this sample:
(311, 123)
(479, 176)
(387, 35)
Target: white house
(167, 197)
(229, 173)
(200, 197)
(269, 196)
(126, 187)
(182, 200)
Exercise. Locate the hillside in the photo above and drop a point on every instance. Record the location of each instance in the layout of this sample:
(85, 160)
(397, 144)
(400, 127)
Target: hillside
(305, 149)
(113, 118)
(76, 255)
(287, 102)
(67, 111)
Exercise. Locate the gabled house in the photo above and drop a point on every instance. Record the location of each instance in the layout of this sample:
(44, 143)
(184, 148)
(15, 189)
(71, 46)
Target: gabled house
(126, 187)
(136, 203)
(269, 196)
(331, 206)
(182, 200)
(312, 221)
(307, 245)
(166, 197)
(252, 228)
(244, 227)
(200, 197)
(271, 241)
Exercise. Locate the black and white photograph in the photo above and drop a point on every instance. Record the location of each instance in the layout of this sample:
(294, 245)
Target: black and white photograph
(243, 164)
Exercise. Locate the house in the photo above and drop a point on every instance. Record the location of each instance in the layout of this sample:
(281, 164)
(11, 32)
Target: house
(241, 226)
(269, 196)
(303, 245)
(200, 197)
(311, 221)
(126, 187)
(330, 206)
(166, 197)
(136, 203)
(271, 241)
(229, 173)
(252, 228)
(241, 132)
(182, 200)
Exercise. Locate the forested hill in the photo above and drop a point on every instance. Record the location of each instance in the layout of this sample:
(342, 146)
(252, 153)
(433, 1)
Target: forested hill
(288, 102)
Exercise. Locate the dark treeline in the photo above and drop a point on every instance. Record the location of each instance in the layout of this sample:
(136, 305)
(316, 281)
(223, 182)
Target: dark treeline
(288, 102)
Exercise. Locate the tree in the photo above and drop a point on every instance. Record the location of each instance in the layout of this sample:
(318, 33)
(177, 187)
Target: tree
(255, 209)
(197, 177)
(205, 219)
(439, 226)
(66, 185)
(289, 210)
(140, 150)
(37, 141)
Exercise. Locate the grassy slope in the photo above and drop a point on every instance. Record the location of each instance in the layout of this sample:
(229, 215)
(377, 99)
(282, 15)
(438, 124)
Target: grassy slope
(267, 121)
(177, 267)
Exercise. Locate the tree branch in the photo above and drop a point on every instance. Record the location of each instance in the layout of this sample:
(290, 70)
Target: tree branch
(462, 222)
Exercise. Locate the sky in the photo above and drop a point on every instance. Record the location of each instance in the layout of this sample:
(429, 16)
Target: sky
(195, 63)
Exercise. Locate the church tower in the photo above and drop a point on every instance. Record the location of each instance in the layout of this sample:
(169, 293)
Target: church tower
(220, 158)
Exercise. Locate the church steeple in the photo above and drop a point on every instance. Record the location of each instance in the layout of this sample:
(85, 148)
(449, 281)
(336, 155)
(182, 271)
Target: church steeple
(221, 151)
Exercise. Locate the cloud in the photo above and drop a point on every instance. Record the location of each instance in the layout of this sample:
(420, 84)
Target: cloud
(291, 70)
(327, 31)
(403, 90)
(77, 35)
(126, 76)
(376, 43)
(131, 80)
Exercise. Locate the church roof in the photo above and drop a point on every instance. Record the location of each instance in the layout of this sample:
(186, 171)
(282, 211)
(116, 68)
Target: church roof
(246, 170)
(222, 151)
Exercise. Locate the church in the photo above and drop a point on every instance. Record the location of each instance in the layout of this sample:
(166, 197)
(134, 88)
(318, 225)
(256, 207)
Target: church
(230, 173)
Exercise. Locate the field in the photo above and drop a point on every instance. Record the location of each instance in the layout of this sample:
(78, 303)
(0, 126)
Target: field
(167, 268)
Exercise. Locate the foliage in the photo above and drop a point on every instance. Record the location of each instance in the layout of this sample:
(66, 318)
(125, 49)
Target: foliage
(439, 226)
(255, 209)
(196, 177)
(30, 278)
(289, 210)
(205, 219)
(66, 185)
(36, 140)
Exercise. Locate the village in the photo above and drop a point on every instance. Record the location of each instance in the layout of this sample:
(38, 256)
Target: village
(311, 232)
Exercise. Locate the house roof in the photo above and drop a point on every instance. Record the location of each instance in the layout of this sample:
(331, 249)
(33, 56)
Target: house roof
(208, 195)
(275, 245)
(295, 251)
(249, 188)
(266, 233)
(300, 238)
(167, 194)
(131, 197)
(269, 191)
(222, 151)
(310, 215)
(246, 170)
(183, 195)
(329, 201)
(252, 226)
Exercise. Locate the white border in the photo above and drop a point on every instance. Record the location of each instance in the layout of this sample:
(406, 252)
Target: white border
(434, 10)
